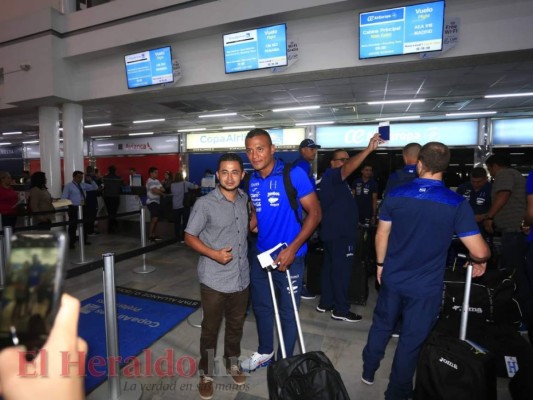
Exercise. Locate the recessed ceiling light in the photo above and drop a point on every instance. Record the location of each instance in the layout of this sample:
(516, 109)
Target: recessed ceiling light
(398, 118)
(5, 144)
(98, 137)
(149, 120)
(495, 96)
(372, 103)
(314, 123)
(12, 133)
(140, 133)
(192, 130)
(239, 127)
(97, 125)
(60, 129)
(105, 144)
(471, 113)
(30, 142)
(217, 115)
(296, 108)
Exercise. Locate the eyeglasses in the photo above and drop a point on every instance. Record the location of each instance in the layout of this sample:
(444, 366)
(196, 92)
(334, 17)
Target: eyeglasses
(341, 159)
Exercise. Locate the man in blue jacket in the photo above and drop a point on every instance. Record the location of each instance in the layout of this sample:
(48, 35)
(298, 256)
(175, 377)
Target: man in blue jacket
(277, 223)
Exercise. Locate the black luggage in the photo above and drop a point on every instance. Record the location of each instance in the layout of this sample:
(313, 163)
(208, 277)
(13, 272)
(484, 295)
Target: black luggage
(307, 376)
(314, 261)
(521, 385)
(358, 289)
(454, 368)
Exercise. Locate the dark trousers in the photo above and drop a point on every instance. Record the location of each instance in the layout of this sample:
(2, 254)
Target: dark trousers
(73, 224)
(179, 222)
(336, 273)
(216, 305)
(111, 204)
(418, 315)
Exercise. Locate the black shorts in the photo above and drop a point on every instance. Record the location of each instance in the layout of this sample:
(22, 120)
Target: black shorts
(155, 210)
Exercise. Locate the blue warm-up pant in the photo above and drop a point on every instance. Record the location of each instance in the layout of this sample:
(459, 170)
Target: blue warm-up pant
(264, 308)
(418, 316)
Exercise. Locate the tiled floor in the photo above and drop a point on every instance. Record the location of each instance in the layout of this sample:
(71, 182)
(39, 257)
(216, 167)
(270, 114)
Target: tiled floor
(175, 275)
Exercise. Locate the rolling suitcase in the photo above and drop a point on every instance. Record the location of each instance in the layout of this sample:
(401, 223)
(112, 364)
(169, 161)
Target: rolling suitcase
(358, 289)
(454, 368)
(306, 376)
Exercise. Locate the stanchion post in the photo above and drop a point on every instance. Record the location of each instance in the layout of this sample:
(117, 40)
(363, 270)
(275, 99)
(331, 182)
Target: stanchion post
(144, 269)
(3, 259)
(81, 234)
(8, 233)
(111, 326)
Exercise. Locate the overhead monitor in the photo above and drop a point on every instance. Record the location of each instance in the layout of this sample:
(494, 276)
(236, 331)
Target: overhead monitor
(147, 68)
(255, 49)
(402, 30)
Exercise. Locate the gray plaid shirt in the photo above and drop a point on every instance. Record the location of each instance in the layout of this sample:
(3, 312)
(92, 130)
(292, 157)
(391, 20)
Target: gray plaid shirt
(219, 223)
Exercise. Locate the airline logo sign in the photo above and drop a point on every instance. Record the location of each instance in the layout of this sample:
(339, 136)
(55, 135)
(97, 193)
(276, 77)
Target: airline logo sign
(234, 141)
(151, 145)
(33, 150)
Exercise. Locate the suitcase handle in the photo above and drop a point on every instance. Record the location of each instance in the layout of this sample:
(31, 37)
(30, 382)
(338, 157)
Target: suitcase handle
(276, 313)
(466, 298)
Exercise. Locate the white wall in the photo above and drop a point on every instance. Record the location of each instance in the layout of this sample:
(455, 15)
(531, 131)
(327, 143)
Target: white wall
(13, 9)
(90, 65)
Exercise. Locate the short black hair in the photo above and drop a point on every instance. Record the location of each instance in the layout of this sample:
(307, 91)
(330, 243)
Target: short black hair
(337, 151)
(478, 172)
(76, 173)
(38, 179)
(258, 132)
(111, 169)
(435, 157)
(498, 159)
(230, 157)
(152, 169)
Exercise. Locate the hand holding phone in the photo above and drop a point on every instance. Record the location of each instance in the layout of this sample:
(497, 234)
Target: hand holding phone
(34, 284)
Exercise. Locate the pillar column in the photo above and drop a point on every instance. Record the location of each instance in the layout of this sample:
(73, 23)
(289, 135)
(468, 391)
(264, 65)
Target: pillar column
(49, 148)
(72, 139)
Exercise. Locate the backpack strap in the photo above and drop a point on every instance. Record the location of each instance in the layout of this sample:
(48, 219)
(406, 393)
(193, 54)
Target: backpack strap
(291, 191)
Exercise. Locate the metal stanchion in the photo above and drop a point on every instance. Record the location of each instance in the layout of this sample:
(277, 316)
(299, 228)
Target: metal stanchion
(8, 233)
(81, 239)
(3, 260)
(111, 389)
(145, 269)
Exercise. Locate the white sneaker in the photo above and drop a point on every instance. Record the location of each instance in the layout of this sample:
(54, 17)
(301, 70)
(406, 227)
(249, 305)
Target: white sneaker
(256, 361)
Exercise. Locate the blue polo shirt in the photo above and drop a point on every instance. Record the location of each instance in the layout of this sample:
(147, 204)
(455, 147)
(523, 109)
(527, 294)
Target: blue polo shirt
(480, 201)
(306, 166)
(400, 176)
(275, 218)
(363, 197)
(424, 216)
(529, 192)
(339, 209)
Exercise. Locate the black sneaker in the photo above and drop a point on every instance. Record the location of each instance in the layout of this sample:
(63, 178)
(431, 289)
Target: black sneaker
(323, 309)
(347, 316)
(306, 294)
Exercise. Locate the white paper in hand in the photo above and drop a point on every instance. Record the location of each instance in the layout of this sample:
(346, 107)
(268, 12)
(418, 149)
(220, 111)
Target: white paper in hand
(267, 258)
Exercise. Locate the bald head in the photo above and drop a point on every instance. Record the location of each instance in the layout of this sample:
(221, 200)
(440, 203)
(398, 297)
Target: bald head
(410, 153)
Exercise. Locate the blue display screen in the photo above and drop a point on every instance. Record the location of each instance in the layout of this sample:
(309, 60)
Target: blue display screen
(403, 30)
(255, 49)
(151, 67)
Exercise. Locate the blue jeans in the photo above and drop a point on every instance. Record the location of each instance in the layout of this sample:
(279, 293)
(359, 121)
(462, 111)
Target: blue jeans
(264, 308)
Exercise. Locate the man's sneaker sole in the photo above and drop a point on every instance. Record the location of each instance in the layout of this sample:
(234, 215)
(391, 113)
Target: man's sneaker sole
(323, 309)
(366, 381)
(262, 365)
(345, 319)
(308, 297)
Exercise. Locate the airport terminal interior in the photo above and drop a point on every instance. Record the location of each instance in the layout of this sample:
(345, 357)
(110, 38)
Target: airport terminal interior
(174, 84)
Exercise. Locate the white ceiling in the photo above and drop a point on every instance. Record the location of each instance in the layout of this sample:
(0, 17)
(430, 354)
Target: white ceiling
(449, 85)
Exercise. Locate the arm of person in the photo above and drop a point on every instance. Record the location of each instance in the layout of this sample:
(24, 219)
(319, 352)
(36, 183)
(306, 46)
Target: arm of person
(498, 202)
(529, 210)
(56, 385)
(253, 219)
(66, 192)
(355, 161)
(221, 256)
(479, 252)
(158, 190)
(382, 242)
(314, 214)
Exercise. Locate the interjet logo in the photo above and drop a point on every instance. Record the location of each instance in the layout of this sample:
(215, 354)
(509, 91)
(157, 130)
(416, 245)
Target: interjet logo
(448, 363)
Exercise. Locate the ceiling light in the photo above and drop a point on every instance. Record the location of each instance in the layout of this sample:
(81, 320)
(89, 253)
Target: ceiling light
(12, 133)
(372, 103)
(192, 130)
(495, 96)
(239, 127)
(97, 125)
(296, 108)
(314, 123)
(60, 129)
(471, 113)
(105, 144)
(99, 137)
(5, 144)
(149, 120)
(140, 133)
(30, 142)
(398, 118)
(217, 115)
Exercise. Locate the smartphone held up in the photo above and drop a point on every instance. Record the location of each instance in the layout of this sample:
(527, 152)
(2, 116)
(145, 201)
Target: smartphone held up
(384, 130)
(33, 286)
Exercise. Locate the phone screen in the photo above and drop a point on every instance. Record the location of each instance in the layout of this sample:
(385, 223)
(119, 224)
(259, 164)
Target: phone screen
(33, 287)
